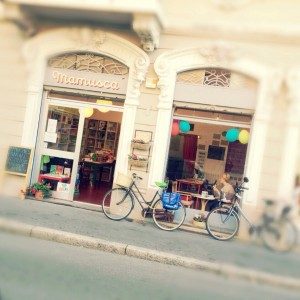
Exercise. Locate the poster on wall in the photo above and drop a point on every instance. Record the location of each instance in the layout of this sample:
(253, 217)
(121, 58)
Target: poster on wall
(62, 191)
(201, 155)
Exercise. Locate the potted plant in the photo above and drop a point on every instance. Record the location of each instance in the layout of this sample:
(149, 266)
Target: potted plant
(137, 160)
(140, 144)
(40, 190)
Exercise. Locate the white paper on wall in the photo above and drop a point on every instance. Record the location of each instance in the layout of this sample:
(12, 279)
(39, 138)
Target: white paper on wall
(50, 137)
(52, 125)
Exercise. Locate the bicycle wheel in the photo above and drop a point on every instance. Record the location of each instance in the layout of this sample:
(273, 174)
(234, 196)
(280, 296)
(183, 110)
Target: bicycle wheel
(279, 235)
(117, 204)
(222, 224)
(167, 219)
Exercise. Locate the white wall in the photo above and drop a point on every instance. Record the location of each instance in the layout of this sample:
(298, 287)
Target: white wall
(13, 85)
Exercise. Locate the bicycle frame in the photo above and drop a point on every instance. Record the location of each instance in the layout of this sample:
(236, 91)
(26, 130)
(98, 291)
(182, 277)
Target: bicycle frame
(133, 193)
(237, 205)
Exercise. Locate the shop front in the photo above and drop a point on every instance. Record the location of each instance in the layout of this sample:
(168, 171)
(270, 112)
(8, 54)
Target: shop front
(85, 121)
(213, 113)
(208, 140)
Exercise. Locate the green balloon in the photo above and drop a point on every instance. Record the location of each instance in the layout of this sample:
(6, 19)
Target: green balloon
(232, 135)
(184, 126)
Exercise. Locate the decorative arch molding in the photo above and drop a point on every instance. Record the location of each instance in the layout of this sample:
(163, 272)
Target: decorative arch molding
(39, 49)
(224, 56)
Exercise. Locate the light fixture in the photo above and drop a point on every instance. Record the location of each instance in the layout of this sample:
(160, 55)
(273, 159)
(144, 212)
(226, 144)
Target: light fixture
(104, 109)
(86, 112)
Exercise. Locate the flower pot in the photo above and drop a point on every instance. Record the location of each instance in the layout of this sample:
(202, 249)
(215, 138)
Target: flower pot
(39, 195)
(140, 146)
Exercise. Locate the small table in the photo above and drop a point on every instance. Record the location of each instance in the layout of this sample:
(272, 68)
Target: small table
(55, 177)
(203, 200)
(190, 184)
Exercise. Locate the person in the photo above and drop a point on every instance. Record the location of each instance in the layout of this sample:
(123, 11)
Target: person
(226, 191)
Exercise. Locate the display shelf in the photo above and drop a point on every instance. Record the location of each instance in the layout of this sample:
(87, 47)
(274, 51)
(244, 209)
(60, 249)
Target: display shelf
(103, 133)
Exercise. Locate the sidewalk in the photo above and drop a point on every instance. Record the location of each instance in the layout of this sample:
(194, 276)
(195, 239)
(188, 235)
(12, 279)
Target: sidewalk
(192, 245)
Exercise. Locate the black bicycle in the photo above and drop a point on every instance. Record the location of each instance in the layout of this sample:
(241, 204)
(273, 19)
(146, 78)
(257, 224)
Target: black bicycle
(119, 202)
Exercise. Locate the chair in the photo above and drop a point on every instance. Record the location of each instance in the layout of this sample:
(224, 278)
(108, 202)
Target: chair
(106, 174)
(186, 200)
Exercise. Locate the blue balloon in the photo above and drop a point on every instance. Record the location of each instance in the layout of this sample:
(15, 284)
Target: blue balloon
(232, 135)
(184, 126)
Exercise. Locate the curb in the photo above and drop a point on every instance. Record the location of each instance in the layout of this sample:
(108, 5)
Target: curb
(227, 270)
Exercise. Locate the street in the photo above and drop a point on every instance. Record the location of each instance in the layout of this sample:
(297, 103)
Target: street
(203, 247)
(36, 269)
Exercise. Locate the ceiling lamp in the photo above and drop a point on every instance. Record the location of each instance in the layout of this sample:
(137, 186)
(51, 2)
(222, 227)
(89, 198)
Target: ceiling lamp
(104, 109)
(86, 112)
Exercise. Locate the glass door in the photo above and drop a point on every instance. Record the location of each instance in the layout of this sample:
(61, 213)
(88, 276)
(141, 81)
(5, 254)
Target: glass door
(58, 147)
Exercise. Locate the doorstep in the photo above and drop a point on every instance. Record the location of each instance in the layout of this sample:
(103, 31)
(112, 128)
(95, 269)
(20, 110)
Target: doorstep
(77, 204)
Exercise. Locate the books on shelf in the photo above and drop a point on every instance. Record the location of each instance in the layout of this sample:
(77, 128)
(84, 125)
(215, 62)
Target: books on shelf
(99, 134)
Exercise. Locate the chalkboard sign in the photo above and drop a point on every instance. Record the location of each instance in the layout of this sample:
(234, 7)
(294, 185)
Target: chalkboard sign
(17, 161)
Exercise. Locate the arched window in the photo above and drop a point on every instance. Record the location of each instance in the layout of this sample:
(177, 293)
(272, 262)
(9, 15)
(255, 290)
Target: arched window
(88, 62)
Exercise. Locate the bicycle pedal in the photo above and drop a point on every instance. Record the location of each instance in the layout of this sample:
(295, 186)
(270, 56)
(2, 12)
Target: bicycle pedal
(146, 213)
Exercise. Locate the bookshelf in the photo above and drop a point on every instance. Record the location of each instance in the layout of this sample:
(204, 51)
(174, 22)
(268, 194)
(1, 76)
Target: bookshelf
(98, 135)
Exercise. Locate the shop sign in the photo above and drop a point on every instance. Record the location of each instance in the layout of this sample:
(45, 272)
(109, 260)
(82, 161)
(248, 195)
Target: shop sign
(108, 83)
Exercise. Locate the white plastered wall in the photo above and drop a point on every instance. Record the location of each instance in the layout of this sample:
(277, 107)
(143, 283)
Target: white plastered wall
(12, 98)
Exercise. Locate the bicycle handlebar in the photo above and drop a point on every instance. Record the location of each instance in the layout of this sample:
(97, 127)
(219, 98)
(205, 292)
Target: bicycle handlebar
(135, 176)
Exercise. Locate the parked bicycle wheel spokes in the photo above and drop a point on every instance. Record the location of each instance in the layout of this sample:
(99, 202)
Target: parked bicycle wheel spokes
(168, 219)
(222, 223)
(117, 204)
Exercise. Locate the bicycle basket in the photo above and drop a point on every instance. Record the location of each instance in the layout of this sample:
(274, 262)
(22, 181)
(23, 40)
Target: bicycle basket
(170, 200)
(123, 180)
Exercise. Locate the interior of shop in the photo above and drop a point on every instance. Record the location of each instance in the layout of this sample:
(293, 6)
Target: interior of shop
(97, 157)
(203, 146)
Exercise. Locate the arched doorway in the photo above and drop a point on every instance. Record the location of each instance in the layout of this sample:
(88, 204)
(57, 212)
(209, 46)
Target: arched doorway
(211, 121)
(217, 56)
(80, 124)
(84, 50)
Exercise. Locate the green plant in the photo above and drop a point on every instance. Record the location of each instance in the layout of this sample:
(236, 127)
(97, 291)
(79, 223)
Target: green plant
(139, 141)
(135, 157)
(45, 188)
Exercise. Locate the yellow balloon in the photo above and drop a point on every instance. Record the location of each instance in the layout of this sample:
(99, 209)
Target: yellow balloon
(244, 136)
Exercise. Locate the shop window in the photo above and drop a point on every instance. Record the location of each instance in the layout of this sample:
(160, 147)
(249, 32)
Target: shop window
(62, 128)
(217, 77)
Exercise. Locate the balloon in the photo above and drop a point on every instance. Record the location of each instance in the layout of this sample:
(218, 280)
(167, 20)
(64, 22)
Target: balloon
(175, 128)
(232, 135)
(244, 136)
(224, 133)
(184, 126)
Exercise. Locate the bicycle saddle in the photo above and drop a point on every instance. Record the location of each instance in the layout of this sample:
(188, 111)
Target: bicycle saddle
(161, 184)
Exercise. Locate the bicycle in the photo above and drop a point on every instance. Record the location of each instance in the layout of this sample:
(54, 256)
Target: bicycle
(222, 223)
(119, 202)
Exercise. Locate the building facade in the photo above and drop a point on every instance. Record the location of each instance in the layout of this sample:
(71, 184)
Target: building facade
(214, 63)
